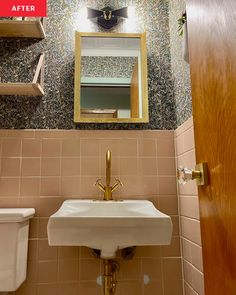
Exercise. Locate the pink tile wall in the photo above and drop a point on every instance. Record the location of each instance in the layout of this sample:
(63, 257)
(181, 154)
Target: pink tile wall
(189, 213)
(42, 168)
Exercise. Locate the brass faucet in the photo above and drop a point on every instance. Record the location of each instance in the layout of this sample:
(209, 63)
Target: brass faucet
(108, 189)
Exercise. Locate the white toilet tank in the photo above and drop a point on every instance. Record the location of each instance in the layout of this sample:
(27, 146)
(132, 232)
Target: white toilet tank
(14, 231)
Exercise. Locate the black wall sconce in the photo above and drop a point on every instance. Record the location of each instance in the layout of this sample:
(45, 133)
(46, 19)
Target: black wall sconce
(107, 17)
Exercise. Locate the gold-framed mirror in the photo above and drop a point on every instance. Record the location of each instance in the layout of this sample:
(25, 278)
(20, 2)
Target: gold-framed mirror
(110, 78)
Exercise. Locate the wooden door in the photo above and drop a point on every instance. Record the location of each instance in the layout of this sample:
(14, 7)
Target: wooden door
(212, 41)
(134, 92)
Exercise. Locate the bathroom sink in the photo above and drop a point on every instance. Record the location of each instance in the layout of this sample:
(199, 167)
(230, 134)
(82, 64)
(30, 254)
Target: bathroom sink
(109, 225)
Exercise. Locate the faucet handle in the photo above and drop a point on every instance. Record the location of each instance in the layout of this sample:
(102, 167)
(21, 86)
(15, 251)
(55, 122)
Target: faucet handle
(100, 185)
(119, 182)
(97, 182)
(116, 184)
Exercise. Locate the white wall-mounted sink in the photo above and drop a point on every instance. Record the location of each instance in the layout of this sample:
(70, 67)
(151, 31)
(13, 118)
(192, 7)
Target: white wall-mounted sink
(109, 225)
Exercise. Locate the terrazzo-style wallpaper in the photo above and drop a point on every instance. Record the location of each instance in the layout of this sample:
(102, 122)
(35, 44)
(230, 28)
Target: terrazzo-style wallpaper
(55, 108)
(107, 66)
(180, 69)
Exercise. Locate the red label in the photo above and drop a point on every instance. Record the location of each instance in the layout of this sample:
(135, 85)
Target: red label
(9, 8)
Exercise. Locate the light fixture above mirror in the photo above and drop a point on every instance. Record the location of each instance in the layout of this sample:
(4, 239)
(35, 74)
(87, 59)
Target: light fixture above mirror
(108, 17)
(110, 78)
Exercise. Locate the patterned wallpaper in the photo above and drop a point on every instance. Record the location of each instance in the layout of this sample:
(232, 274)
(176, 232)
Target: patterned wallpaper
(107, 66)
(180, 69)
(55, 109)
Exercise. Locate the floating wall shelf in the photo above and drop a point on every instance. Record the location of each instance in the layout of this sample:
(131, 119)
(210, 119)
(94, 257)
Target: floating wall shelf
(22, 29)
(29, 89)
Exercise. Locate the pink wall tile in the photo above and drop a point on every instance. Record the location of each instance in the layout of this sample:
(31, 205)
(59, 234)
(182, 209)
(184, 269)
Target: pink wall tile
(172, 250)
(189, 142)
(50, 186)
(46, 289)
(69, 252)
(166, 166)
(70, 147)
(51, 147)
(197, 257)
(6, 202)
(131, 287)
(165, 147)
(189, 210)
(148, 185)
(198, 281)
(131, 270)
(42, 230)
(89, 147)
(10, 187)
(42, 168)
(68, 270)
(11, 147)
(164, 134)
(175, 222)
(147, 147)
(152, 267)
(167, 185)
(49, 205)
(27, 289)
(90, 166)
(128, 148)
(70, 166)
(70, 186)
(189, 206)
(187, 159)
(26, 133)
(147, 166)
(31, 167)
(128, 166)
(89, 288)
(53, 133)
(192, 253)
(172, 272)
(132, 185)
(91, 269)
(47, 271)
(31, 147)
(185, 126)
(46, 252)
(189, 189)
(30, 186)
(194, 279)
(187, 269)
(32, 250)
(188, 290)
(110, 144)
(50, 166)
(168, 204)
(10, 166)
(191, 229)
(88, 188)
(179, 145)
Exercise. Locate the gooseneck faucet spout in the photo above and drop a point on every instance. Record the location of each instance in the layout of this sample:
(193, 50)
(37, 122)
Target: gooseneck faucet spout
(108, 168)
(108, 189)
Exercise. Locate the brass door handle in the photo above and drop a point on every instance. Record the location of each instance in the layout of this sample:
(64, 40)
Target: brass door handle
(200, 174)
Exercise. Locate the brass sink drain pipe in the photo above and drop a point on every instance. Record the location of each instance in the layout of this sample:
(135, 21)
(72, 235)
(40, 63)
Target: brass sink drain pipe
(110, 268)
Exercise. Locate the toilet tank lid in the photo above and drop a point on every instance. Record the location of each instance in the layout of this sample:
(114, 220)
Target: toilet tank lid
(16, 214)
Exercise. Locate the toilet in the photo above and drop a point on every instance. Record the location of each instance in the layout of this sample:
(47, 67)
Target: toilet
(14, 231)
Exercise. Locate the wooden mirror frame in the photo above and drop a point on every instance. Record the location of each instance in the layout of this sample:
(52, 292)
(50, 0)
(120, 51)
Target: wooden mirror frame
(77, 108)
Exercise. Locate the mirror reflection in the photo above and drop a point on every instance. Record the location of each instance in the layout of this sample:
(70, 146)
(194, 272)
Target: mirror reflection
(111, 78)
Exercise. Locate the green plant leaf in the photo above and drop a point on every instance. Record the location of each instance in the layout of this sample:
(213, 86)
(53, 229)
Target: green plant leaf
(181, 21)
